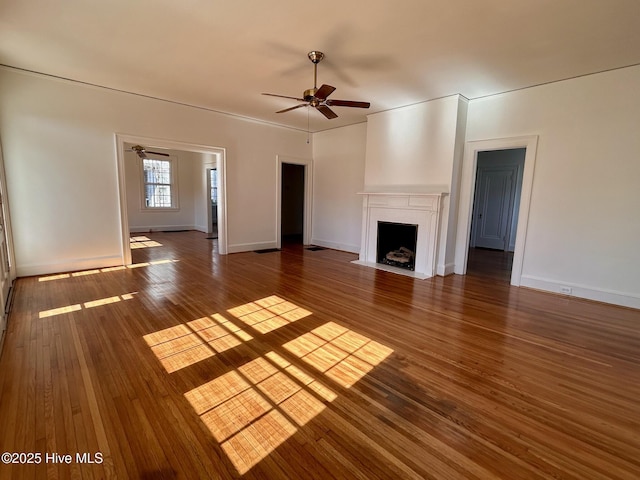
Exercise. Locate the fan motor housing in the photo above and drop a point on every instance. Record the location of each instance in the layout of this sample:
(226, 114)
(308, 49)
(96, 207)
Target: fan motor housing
(309, 94)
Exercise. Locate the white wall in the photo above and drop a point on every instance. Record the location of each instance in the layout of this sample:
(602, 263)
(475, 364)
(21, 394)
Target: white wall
(584, 221)
(411, 147)
(339, 157)
(61, 167)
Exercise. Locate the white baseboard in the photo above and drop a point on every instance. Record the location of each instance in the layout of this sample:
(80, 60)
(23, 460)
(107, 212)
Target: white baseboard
(446, 269)
(623, 299)
(71, 265)
(250, 247)
(344, 247)
(162, 228)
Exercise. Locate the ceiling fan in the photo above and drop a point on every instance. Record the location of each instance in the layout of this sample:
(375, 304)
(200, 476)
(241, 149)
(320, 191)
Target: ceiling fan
(142, 151)
(317, 97)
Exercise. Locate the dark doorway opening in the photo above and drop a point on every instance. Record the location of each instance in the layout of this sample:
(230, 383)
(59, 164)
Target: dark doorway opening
(292, 203)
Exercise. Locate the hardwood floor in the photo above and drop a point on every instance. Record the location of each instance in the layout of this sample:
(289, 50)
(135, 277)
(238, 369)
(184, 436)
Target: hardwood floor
(300, 365)
(494, 265)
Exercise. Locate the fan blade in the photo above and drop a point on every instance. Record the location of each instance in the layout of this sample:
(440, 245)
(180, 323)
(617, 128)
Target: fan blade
(324, 91)
(347, 103)
(326, 111)
(292, 108)
(158, 153)
(284, 96)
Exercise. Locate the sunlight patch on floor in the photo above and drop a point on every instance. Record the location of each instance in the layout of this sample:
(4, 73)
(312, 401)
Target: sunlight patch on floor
(54, 277)
(269, 313)
(142, 242)
(252, 410)
(79, 306)
(84, 273)
(256, 407)
(184, 345)
(341, 354)
(116, 268)
(146, 264)
(107, 301)
(113, 269)
(59, 311)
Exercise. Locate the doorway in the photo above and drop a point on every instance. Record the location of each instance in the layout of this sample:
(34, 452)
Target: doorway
(497, 197)
(516, 229)
(498, 187)
(292, 203)
(217, 156)
(294, 179)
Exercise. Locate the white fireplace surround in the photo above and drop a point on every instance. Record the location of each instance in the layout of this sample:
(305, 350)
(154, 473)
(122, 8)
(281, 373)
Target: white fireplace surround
(422, 209)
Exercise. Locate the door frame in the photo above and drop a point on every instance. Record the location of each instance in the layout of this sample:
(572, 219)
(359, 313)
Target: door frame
(467, 191)
(220, 153)
(308, 185)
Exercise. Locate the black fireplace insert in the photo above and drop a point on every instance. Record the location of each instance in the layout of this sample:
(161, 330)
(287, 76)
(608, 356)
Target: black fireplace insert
(397, 244)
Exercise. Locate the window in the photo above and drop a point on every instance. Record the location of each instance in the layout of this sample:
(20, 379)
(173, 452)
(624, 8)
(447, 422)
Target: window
(159, 186)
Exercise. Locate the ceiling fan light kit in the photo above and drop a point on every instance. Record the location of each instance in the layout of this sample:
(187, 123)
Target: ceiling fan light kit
(317, 97)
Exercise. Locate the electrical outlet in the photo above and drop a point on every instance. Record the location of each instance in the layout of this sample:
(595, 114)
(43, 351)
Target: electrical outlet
(565, 290)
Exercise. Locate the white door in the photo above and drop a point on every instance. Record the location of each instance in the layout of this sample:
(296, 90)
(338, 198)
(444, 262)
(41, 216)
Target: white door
(492, 207)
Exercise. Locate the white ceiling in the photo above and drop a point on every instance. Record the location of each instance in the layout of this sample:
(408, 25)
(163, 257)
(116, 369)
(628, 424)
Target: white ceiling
(222, 54)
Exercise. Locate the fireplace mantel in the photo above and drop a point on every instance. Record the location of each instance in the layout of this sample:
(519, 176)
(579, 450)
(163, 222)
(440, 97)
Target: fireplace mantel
(422, 209)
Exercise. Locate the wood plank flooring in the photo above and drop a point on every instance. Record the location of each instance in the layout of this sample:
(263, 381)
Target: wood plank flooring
(301, 365)
(493, 265)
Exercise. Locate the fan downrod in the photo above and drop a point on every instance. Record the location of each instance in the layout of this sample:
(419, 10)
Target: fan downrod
(315, 57)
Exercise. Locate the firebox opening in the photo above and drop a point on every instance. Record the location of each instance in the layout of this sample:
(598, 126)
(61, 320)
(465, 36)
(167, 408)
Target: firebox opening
(397, 244)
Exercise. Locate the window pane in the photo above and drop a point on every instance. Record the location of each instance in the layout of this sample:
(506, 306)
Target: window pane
(157, 195)
(157, 171)
(149, 190)
(163, 177)
(163, 196)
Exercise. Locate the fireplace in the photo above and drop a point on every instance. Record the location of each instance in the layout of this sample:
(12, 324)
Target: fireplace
(397, 244)
(417, 216)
